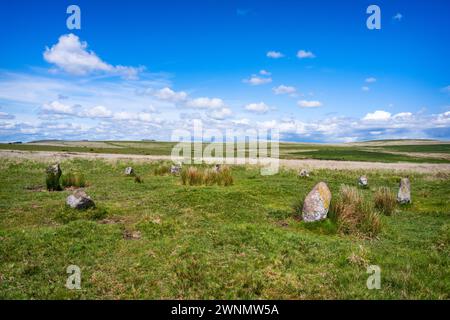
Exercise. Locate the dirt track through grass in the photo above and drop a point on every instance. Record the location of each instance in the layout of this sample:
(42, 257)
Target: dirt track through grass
(288, 163)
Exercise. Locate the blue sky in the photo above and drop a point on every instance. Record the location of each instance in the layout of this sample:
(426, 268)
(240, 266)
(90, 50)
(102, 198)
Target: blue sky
(141, 69)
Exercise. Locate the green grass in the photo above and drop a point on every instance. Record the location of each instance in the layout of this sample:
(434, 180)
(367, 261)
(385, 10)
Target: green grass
(204, 242)
(429, 148)
(286, 150)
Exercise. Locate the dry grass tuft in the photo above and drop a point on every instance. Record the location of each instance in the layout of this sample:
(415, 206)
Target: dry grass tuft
(194, 176)
(385, 200)
(73, 179)
(354, 214)
(162, 169)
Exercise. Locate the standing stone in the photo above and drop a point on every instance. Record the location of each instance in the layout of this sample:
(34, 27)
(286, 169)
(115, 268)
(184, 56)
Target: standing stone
(404, 192)
(129, 171)
(363, 181)
(303, 173)
(80, 200)
(317, 203)
(175, 169)
(52, 180)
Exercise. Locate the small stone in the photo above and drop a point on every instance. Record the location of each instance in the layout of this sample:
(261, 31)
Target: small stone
(303, 173)
(175, 169)
(363, 181)
(317, 203)
(217, 168)
(404, 192)
(80, 200)
(129, 171)
(132, 235)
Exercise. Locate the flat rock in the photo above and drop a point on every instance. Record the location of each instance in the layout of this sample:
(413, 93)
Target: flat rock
(317, 203)
(404, 191)
(80, 200)
(132, 235)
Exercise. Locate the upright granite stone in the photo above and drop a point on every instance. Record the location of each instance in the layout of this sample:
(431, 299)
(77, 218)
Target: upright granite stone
(129, 171)
(80, 200)
(317, 203)
(404, 192)
(363, 181)
(53, 175)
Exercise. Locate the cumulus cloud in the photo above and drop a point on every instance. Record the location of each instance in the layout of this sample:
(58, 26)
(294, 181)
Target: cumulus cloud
(378, 115)
(265, 73)
(206, 103)
(7, 116)
(282, 89)
(365, 88)
(371, 80)
(275, 54)
(58, 108)
(256, 81)
(260, 107)
(402, 116)
(71, 55)
(303, 54)
(168, 94)
(98, 112)
(309, 104)
(220, 114)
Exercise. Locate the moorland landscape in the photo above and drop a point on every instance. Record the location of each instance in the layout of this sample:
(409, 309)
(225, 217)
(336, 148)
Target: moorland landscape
(192, 234)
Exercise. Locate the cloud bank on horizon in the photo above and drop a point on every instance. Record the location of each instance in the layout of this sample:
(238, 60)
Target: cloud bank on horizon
(309, 89)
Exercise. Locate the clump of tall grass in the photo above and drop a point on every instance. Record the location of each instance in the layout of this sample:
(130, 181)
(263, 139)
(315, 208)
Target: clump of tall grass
(138, 179)
(161, 169)
(385, 200)
(195, 176)
(210, 177)
(354, 214)
(73, 179)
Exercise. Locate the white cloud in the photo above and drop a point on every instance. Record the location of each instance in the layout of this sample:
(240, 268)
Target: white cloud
(256, 81)
(71, 55)
(402, 116)
(275, 54)
(243, 121)
(98, 112)
(282, 89)
(303, 54)
(265, 73)
(260, 107)
(58, 108)
(220, 114)
(7, 116)
(378, 115)
(365, 88)
(371, 80)
(206, 103)
(309, 104)
(168, 94)
(398, 17)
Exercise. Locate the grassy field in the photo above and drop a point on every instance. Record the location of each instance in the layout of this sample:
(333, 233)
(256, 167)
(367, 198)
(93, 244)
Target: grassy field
(424, 152)
(235, 242)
